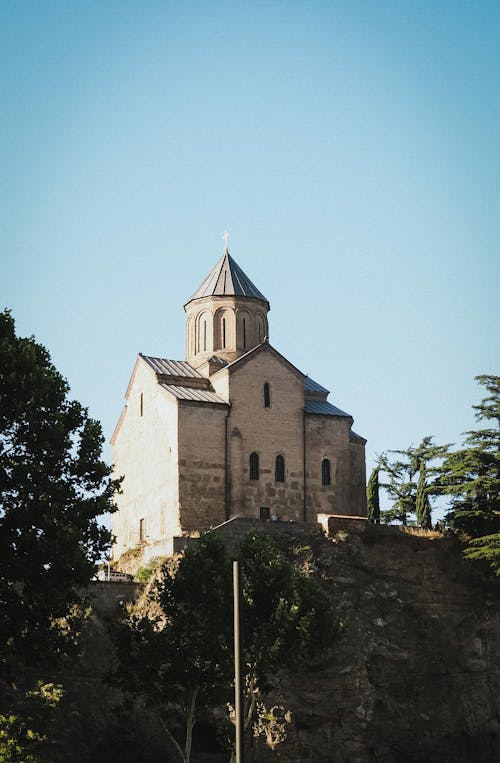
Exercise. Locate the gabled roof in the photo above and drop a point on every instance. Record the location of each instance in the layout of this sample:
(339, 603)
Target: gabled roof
(227, 279)
(166, 367)
(263, 346)
(192, 394)
(325, 409)
(355, 437)
(312, 386)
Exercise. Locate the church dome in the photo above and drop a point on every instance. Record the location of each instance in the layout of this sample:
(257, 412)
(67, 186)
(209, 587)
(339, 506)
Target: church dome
(227, 279)
(226, 316)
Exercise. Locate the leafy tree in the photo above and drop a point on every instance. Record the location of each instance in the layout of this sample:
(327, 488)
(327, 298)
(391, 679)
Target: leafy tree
(288, 620)
(179, 654)
(53, 488)
(23, 730)
(399, 484)
(486, 548)
(401, 468)
(372, 497)
(471, 476)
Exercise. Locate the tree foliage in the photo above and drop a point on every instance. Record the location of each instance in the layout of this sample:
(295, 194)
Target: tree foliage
(179, 655)
(23, 729)
(471, 476)
(422, 502)
(372, 497)
(53, 488)
(401, 468)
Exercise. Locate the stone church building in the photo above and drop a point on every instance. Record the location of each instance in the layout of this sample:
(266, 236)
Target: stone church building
(234, 430)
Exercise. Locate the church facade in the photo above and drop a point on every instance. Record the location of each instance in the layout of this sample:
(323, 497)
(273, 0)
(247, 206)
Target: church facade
(235, 429)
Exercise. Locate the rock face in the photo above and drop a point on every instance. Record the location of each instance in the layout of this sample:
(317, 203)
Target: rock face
(417, 672)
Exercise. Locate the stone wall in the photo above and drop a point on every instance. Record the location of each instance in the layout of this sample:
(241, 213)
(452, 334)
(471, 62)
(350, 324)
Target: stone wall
(357, 482)
(267, 431)
(237, 528)
(202, 468)
(107, 597)
(145, 450)
(416, 677)
(328, 437)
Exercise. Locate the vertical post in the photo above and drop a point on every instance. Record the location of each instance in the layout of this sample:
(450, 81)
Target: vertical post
(238, 689)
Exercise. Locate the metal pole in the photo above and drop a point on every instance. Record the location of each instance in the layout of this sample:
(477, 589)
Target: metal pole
(238, 693)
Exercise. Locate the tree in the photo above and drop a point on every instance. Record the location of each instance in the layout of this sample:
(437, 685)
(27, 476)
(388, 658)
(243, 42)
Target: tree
(399, 484)
(422, 503)
(372, 497)
(401, 472)
(53, 488)
(179, 654)
(471, 476)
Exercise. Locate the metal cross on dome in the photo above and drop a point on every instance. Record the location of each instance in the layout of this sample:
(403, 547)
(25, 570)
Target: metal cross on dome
(226, 239)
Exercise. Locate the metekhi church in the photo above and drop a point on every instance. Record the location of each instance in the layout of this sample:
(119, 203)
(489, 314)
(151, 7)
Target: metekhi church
(234, 430)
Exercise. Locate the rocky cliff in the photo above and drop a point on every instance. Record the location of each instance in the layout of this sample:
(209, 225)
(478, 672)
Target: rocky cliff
(417, 670)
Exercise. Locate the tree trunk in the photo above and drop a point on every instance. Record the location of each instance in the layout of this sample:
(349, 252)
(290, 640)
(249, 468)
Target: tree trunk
(190, 721)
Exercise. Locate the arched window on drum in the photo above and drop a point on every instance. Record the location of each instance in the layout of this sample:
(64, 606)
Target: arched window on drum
(326, 477)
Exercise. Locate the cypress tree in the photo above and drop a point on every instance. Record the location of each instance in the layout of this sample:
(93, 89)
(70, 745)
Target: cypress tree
(372, 497)
(423, 506)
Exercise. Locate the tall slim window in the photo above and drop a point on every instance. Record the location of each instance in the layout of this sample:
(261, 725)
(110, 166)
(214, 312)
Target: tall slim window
(279, 469)
(204, 335)
(142, 403)
(142, 530)
(267, 396)
(325, 472)
(254, 466)
(224, 332)
(244, 333)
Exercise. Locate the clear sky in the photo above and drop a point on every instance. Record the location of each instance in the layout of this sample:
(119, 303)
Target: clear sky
(351, 149)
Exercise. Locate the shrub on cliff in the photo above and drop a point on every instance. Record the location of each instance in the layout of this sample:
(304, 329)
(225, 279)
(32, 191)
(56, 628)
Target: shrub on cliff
(180, 658)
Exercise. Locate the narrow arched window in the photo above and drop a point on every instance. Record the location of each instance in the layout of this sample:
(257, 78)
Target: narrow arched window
(254, 466)
(244, 333)
(267, 396)
(142, 404)
(204, 335)
(279, 469)
(224, 332)
(325, 472)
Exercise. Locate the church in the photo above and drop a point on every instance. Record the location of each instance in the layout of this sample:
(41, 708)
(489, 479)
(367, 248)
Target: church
(234, 430)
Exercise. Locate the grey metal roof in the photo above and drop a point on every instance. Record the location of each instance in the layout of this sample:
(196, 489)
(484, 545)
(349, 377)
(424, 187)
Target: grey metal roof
(327, 409)
(193, 394)
(356, 437)
(311, 386)
(171, 367)
(227, 279)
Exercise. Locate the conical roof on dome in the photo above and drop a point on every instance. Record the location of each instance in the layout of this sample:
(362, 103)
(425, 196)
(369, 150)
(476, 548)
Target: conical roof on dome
(227, 279)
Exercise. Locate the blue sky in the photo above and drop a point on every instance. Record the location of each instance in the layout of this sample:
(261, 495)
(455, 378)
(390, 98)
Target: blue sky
(351, 149)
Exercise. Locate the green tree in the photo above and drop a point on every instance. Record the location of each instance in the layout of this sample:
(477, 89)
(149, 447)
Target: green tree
(53, 488)
(23, 729)
(289, 622)
(399, 484)
(471, 476)
(401, 468)
(372, 496)
(179, 655)
(422, 503)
